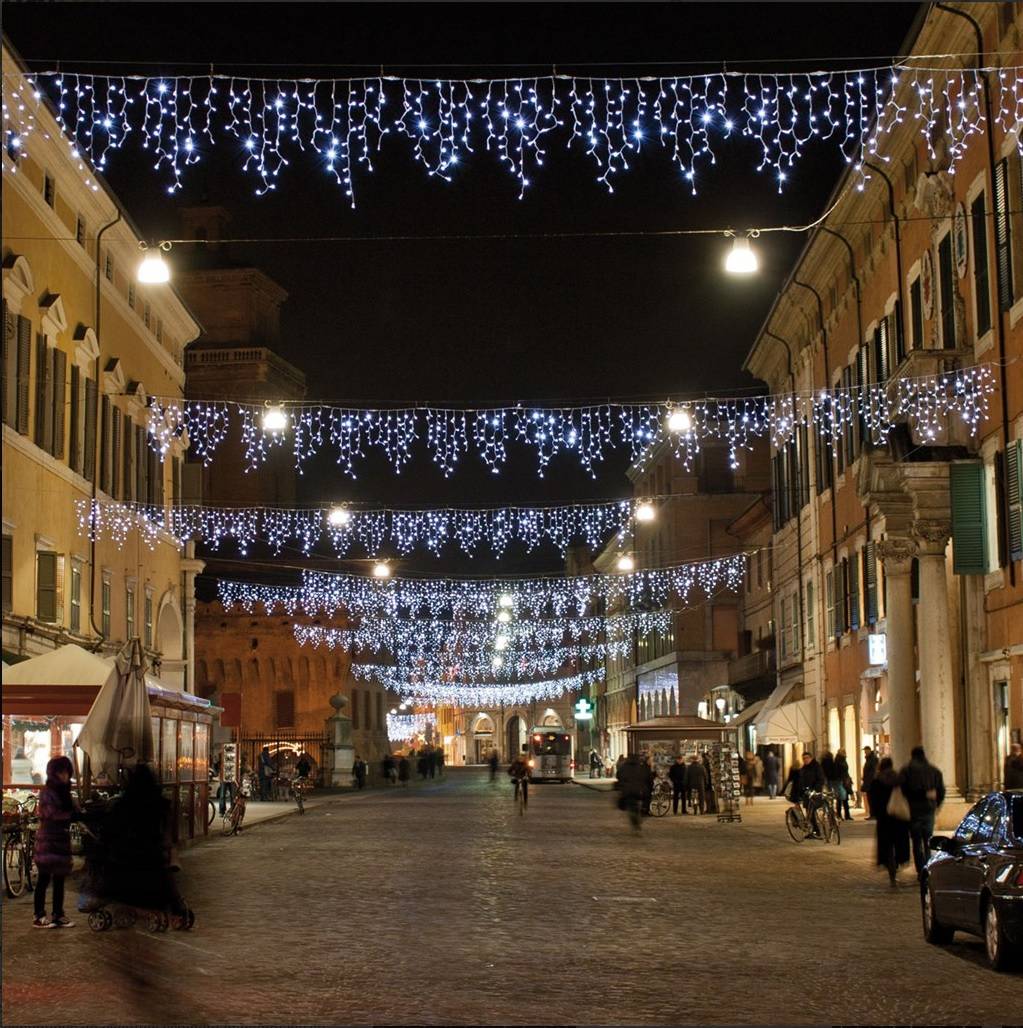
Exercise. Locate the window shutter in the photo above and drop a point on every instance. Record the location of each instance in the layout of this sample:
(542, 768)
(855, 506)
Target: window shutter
(981, 286)
(870, 582)
(44, 422)
(883, 351)
(804, 466)
(59, 394)
(89, 454)
(8, 394)
(104, 448)
(46, 586)
(7, 574)
(853, 571)
(900, 334)
(24, 372)
(141, 466)
(840, 573)
(969, 518)
(128, 471)
(1003, 242)
(1014, 498)
(946, 293)
(74, 439)
(115, 453)
(829, 599)
(863, 390)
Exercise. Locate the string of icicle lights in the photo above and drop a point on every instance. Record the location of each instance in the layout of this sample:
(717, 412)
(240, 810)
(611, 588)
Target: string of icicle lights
(479, 665)
(328, 593)
(461, 694)
(338, 124)
(589, 431)
(424, 635)
(343, 526)
(405, 727)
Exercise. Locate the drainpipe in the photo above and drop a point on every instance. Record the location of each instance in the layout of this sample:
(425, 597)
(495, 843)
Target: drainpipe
(999, 321)
(96, 463)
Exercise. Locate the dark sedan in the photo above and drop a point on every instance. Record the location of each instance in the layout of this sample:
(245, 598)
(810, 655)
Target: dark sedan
(974, 880)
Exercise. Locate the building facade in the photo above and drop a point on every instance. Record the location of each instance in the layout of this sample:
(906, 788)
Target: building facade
(898, 596)
(84, 346)
(675, 672)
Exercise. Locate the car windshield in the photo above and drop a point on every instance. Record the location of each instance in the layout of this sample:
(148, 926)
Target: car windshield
(1017, 816)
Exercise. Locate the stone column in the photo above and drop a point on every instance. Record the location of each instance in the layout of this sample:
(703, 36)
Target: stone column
(897, 554)
(338, 754)
(937, 698)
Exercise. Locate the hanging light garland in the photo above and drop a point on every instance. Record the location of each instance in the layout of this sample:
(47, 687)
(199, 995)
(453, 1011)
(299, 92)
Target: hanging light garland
(406, 727)
(374, 635)
(461, 694)
(338, 124)
(590, 432)
(328, 593)
(342, 526)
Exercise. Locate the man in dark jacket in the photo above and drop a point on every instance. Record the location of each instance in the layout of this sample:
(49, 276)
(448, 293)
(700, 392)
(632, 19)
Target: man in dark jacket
(811, 780)
(867, 777)
(632, 781)
(772, 773)
(924, 789)
(677, 774)
(696, 782)
(1012, 775)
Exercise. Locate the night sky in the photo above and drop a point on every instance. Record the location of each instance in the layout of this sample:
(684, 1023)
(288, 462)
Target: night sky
(494, 321)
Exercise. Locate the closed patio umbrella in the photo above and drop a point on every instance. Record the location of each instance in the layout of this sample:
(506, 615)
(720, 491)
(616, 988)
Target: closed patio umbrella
(119, 727)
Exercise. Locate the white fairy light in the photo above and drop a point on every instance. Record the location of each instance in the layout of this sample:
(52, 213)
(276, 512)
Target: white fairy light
(645, 512)
(741, 259)
(338, 517)
(590, 432)
(506, 600)
(341, 123)
(381, 570)
(625, 562)
(503, 617)
(274, 420)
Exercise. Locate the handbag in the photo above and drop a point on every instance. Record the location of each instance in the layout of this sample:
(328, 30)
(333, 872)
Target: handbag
(898, 805)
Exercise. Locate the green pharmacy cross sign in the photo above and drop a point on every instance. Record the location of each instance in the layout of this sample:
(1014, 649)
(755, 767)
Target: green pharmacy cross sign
(583, 709)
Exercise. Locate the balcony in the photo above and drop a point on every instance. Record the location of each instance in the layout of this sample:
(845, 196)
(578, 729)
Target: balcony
(754, 666)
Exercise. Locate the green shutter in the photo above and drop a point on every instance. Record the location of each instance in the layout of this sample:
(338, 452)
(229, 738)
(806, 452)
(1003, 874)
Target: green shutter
(854, 594)
(1014, 498)
(89, 452)
(24, 372)
(870, 582)
(59, 394)
(46, 587)
(75, 453)
(969, 518)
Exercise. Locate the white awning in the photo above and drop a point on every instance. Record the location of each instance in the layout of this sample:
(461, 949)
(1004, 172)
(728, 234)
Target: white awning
(748, 714)
(788, 723)
(66, 665)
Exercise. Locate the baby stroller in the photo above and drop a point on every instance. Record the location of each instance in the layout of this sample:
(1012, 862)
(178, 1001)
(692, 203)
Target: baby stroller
(128, 873)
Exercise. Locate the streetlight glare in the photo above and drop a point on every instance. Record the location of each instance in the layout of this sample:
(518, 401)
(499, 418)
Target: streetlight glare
(741, 259)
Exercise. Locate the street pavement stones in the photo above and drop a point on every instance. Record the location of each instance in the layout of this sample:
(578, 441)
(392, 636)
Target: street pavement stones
(441, 905)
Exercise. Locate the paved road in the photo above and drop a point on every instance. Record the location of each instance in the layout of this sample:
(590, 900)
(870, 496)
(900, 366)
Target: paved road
(441, 906)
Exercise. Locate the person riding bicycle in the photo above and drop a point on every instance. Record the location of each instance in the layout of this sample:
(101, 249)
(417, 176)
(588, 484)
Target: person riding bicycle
(810, 786)
(519, 771)
(303, 767)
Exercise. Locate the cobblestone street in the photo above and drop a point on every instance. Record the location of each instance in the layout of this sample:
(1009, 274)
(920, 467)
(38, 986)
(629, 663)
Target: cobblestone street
(441, 905)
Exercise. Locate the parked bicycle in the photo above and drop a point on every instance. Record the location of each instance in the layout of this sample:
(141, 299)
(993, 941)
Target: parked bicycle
(660, 798)
(299, 787)
(19, 850)
(814, 820)
(234, 814)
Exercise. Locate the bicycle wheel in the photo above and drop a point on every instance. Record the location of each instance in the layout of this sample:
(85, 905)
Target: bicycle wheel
(14, 868)
(30, 863)
(211, 812)
(300, 800)
(832, 833)
(795, 824)
(660, 803)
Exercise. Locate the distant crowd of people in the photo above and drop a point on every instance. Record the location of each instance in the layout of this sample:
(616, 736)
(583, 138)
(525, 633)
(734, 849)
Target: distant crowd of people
(396, 769)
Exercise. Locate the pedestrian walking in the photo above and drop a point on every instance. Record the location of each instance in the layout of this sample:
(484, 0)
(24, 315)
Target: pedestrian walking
(618, 764)
(423, 765)
(648, 791)
(1012, 773)
(772, 774)
(677, 774)
(596, 764)
(870, 767)
(844, 781)
(696, 784)
(440, 760)
(359, 769)
(924, 789)
(749, 778)
(431, 761)
(632, 783)
(493, 765)
(266, 770)
(404, 771)
(892, 833)
(53, 843)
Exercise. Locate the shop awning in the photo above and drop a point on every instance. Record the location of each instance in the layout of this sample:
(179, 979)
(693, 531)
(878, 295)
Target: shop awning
(788, 723)
(685, 725)
(748, 714)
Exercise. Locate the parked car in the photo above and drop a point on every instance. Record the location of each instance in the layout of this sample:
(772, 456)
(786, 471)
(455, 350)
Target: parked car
(974, 880)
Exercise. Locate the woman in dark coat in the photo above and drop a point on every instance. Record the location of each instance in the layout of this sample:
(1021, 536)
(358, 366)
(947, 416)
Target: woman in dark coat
(892, 834)
(53, 842)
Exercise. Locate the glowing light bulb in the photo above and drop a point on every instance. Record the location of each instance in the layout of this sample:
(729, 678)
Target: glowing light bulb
(497, 663)
(339, 516)
(645, 512)
(504, 617)
(741, 259)
(381, 570)
(506, 600)
(501, 642)
(153, 269)
(625, 563)
(274, 420)
(679, 421)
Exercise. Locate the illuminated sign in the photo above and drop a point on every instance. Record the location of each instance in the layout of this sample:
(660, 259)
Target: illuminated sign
(583, 709)
(877, 648)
